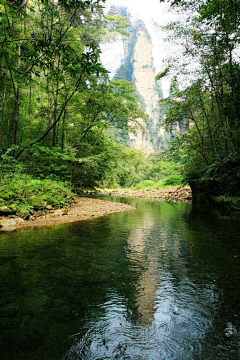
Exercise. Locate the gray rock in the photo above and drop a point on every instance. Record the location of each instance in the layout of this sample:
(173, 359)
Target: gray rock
(8, 224)
(230, 330)
(38, 213)
(176, 310)
(50, 215)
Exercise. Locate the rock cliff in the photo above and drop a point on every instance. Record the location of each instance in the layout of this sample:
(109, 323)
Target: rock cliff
(137, 66)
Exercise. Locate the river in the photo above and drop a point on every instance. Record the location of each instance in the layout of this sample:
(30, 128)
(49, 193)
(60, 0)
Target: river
(157, 283)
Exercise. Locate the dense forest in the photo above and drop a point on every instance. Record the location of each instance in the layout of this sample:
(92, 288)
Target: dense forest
(58, 107)
(208, 98)
(61, 115)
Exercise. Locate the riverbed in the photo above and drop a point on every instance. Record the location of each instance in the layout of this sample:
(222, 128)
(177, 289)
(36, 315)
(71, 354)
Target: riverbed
(159, 282)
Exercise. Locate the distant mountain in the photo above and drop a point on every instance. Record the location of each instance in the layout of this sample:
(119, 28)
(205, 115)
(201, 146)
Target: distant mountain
(137, 66)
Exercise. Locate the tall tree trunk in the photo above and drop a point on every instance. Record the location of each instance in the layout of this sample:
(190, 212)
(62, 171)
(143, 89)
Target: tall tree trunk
(2, 118)
(63, 130)
(17, 106)
(15, 117)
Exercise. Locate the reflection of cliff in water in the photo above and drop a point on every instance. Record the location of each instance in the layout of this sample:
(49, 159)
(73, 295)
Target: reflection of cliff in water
(145, 287)
(155, 283)
(148, 246)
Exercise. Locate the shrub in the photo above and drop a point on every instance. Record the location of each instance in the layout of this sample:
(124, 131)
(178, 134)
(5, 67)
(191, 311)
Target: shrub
(144, 184)
(172, 180)
(26, 192)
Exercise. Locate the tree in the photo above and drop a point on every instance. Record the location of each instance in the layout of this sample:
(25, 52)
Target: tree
(36, 46)
(57, 101)
(210, 103)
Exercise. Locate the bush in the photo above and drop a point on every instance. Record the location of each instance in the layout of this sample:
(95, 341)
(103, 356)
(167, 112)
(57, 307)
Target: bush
(144, 184)
(173, 180)
(22, 191)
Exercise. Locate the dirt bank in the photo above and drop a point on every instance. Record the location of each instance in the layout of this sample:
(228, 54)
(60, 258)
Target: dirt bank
(82, 209)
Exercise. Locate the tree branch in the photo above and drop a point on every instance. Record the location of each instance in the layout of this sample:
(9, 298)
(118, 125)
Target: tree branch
(55, 122)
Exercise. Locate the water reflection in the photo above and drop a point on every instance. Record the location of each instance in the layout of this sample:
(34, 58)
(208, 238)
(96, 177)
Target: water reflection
(137, 254)
(155, 283)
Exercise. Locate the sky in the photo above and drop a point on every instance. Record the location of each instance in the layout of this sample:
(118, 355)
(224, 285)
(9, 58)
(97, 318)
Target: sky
(152, 12)
(148, 9)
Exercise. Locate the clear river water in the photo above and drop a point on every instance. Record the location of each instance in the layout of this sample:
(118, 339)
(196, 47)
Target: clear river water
(157, 283)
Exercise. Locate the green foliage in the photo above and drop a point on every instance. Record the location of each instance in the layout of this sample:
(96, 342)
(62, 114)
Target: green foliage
(58, 103)
(224, 166)
(116, 25)
(171, 180)
(209, 104)
(131, 168)
(163, 73)
(126, 166)
(161, 168)
(24, 192)
(144, 184)
(59, 110)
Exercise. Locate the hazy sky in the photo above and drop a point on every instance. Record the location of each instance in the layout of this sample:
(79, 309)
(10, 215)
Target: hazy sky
(148, 9)
(152, 12)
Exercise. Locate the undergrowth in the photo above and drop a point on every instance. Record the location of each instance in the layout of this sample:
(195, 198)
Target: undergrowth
(171, 180)
(23, 192)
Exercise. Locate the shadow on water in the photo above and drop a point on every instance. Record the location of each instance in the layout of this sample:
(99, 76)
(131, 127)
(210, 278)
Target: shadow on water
(160, 282)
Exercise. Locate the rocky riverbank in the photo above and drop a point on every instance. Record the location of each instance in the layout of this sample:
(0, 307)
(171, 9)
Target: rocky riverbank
(82, 209)
(170, 193)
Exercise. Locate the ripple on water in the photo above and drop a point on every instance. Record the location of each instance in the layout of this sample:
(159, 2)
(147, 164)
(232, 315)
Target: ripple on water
(152, 284)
